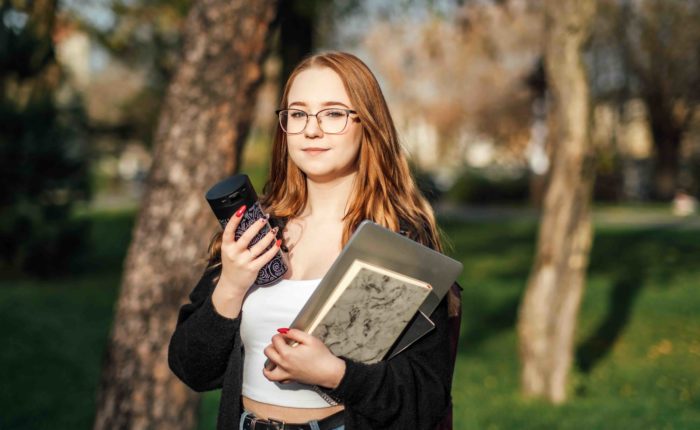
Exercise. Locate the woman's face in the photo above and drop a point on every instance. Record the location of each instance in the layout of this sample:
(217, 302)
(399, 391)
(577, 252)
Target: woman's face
(322, 156)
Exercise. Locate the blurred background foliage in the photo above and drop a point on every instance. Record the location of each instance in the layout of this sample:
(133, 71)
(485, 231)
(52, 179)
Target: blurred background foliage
(81, 85)
(464, 79)
(43, 154)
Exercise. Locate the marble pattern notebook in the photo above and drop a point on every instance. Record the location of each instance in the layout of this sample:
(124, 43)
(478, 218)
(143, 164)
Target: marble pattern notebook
(367, 311)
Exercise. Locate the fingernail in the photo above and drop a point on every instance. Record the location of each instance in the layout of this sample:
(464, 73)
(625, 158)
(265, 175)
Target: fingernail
(275, 230)
(278, 242)
(283, 330)
(240, 211)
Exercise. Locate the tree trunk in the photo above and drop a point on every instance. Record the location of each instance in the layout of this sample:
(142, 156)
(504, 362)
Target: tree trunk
(550, 306)
(667, 135)
(297, 19)
(205, 118)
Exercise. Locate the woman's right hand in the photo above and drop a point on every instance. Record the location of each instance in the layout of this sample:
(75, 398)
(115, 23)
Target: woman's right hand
(240, 265)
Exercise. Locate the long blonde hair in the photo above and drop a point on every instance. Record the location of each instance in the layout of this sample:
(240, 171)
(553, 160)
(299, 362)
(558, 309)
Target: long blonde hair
(384, 192)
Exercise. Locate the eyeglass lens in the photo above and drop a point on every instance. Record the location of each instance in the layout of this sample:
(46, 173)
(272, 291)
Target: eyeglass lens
(330, 121)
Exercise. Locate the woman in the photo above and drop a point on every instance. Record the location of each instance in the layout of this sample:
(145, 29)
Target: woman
(336, 161)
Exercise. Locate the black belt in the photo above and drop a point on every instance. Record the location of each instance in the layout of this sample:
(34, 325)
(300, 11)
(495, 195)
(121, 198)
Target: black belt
(250, 422)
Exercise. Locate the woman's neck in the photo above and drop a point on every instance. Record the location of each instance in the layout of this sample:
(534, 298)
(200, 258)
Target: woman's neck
(328, 200)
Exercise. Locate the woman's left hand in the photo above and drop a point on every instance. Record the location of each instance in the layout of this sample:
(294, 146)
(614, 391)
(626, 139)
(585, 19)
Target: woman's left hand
(309, 362)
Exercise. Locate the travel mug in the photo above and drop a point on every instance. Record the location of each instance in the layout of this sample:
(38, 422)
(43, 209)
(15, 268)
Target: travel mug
(225, 198)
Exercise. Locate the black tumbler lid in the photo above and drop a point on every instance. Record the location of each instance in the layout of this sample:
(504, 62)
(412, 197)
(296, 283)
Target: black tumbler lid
(233, 191)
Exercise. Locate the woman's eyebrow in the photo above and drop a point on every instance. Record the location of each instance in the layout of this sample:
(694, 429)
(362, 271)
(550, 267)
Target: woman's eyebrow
(329, 103)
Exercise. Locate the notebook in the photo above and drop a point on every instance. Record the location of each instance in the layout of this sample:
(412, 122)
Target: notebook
(367, 311)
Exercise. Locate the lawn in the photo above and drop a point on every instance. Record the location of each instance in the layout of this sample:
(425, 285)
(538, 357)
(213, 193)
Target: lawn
(638, 349)
(637, 358)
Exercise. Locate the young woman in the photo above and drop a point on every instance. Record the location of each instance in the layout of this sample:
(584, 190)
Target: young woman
(336, 161)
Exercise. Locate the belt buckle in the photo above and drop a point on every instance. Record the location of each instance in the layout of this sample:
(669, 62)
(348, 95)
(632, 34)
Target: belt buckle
(253, 421)
(276, 424)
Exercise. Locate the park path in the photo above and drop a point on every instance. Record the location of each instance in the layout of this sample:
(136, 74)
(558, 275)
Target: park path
(611, 216)
(621, 216)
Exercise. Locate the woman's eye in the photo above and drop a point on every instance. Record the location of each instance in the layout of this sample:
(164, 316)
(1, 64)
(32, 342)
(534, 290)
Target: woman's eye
(335, 113)
(297, 115)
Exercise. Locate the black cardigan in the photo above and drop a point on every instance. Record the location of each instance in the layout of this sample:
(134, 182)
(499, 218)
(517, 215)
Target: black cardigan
(409, 391)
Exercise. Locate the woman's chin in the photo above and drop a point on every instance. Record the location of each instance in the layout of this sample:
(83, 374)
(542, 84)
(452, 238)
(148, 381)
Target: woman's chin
(324, 175)
(320, 175)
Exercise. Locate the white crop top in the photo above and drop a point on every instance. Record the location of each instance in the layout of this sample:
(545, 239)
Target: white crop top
(264, 310)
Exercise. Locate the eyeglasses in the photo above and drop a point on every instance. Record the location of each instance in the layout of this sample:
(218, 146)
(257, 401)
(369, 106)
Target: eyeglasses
(330, 121)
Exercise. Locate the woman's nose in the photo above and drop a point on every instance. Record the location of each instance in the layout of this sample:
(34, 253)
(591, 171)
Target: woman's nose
(313, 127)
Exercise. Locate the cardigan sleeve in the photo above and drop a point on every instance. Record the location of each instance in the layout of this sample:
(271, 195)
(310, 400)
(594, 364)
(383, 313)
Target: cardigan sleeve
(410, 390)
(200, 347)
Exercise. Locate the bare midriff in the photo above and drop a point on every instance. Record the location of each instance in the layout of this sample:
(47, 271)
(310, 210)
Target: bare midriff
(286, 414)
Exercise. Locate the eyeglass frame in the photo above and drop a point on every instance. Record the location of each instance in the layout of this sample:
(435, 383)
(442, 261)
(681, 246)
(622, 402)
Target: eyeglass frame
(348, 111)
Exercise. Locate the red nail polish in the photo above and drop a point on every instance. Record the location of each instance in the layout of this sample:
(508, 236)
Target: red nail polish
(283, 330)
(240, 211)
(278, 242)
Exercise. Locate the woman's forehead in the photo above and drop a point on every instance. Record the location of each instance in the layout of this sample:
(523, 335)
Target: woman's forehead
(317, 87)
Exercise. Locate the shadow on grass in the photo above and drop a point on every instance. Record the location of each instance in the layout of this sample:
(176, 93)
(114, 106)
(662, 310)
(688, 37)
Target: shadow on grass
(476, 330)
(497, 260)
(622, 297)
(632, 259)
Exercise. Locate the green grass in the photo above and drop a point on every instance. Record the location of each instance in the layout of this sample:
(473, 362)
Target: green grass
(53, 339)
(55, 331)
(638, 348)
(638, 340)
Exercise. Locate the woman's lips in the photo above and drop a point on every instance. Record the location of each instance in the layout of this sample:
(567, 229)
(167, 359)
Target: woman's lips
(315, 151)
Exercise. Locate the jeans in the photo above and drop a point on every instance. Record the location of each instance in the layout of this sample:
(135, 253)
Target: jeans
(313, 423)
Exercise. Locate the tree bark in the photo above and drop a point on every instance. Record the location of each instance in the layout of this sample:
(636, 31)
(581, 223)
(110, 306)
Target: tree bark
(297, 20)
(548, 313)
(203, 124)
(667, 133)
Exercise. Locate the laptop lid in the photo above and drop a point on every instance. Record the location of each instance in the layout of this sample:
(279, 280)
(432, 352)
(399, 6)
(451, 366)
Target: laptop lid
(378, 245)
